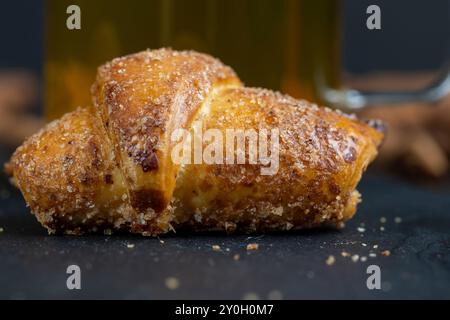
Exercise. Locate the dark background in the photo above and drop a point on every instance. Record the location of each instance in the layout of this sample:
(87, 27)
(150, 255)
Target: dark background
(414, 35)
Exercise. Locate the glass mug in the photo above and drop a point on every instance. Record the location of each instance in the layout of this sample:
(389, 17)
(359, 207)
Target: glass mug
(289, 45)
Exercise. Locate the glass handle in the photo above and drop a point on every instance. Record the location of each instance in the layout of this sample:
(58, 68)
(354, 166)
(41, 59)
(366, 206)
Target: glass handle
(351, 99)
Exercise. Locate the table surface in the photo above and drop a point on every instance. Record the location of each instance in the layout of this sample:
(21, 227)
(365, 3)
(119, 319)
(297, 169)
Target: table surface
(288, 265)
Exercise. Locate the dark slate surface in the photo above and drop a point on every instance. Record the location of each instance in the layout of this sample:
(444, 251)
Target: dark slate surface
(33, 264)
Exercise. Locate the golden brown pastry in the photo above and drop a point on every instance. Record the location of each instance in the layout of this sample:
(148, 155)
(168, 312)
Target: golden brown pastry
(111, 166)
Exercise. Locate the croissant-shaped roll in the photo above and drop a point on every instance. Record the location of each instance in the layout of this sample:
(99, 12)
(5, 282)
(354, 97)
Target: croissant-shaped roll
(116, 165)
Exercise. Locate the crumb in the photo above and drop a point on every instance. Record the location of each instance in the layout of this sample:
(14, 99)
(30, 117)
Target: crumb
(364, 244)
(361, 229)
(383, 220)
(275, 295)
(381, 228)
(375, 246)
(236, 257)
(250, 296)
(386, 253)
(372, 255)
(1, 229)
(330, 261)
(130, 245)
(355, 258)
(107, 232)
(172, 283)
(363, 259)
(227, 249)
(216, 247)
(386, 286)
(397, 220)
(252, 246)
(345, 254)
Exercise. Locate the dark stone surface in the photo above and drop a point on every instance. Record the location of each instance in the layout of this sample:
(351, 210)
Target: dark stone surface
(33, 264)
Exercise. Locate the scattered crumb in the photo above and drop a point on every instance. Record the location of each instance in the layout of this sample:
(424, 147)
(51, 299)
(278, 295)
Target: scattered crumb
(386, 286)
(330, 261)
(1, 229)
(250, 296)
(289, 226)
(364, 244)
(252, 246)
(236, 257)
(383, 219)
(386, 253)
(382, 228)
(372, 255)
(361, 229)
(355, 258)
(345, 254)
(398, 220)
(107, 232)
(275, 295)
(363, 259)
(227, 249)
(130, 245)
(375, 246)
(216, 247)
(161, 241)
(172, 283)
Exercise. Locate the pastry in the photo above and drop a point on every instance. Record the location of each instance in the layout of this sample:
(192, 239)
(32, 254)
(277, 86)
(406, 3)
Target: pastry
(110, 166)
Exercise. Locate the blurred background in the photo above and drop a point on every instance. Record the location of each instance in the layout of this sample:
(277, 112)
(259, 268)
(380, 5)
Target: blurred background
(46, 69)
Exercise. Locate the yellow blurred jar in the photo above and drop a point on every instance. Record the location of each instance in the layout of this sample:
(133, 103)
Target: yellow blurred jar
(287, 45)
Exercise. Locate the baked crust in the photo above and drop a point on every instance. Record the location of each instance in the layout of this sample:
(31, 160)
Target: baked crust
(109, 167)
(322, 156)
(68, 176)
